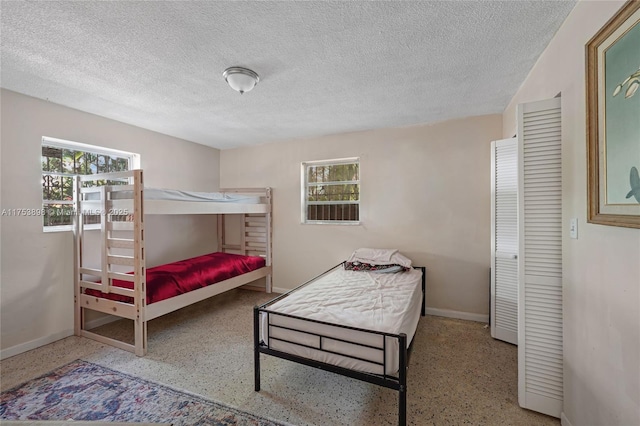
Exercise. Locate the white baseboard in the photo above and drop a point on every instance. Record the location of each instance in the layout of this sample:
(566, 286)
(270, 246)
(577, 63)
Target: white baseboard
(33, 344)
(564, 421)
(457, 314)
(279, 290)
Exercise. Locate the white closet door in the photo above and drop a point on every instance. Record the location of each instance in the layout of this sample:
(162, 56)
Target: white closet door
(504, 240)
(540, 385)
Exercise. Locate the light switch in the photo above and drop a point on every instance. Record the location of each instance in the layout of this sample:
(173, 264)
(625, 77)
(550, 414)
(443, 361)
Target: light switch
(573, 228)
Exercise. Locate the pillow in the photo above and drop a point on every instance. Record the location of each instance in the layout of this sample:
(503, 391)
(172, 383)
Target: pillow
(401, 260)
(374, 256)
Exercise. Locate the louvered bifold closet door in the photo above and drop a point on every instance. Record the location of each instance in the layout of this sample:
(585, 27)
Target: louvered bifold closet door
(504, 240)
(540, 385)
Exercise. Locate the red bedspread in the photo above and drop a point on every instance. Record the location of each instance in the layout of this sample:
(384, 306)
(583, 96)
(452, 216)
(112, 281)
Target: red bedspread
(173, 279)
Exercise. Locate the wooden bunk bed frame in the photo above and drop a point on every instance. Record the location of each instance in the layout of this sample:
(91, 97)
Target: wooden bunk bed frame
(390, 381)
(256, 229)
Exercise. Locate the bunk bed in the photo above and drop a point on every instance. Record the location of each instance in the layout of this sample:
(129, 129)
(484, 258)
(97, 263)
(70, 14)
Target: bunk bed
(357, 322)
(122, 285)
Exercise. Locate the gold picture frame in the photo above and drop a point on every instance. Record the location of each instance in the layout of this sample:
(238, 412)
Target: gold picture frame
(613, 120)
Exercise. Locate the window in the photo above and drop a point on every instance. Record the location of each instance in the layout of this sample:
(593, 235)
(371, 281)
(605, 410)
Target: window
(331, 191)
(61, 160)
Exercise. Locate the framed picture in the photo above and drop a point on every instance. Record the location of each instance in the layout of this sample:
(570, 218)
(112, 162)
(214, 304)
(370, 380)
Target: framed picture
(613, 120)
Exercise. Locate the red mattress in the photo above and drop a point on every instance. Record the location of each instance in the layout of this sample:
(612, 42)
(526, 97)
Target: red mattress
(173, 279)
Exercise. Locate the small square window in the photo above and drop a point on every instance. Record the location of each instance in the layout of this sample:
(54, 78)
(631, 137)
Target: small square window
(331, 191)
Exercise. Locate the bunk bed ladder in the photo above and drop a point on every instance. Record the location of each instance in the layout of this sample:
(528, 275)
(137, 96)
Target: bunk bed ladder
(111, 212)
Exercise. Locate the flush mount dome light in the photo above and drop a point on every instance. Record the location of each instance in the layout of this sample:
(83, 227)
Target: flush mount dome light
(241, 79)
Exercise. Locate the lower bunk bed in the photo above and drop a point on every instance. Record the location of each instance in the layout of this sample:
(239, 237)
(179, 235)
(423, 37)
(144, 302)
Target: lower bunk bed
(168, 288)
(351, 320)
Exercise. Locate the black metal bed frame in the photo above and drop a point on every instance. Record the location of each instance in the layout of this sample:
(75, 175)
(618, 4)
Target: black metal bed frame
(398, 383)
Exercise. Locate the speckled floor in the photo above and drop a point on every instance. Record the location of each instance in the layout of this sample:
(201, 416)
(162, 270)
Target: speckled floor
(458, 374)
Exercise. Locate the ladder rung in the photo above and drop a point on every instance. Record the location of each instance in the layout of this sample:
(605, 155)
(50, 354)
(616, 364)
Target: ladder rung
(121, 260)
(91, 285)
(91, 271)
(121, 243)
(121, 276)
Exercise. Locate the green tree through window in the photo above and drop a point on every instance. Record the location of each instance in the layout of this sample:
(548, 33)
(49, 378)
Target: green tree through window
(332, 191)
(61, 161)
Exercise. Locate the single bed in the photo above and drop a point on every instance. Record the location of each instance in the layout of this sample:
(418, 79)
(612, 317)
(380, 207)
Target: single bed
(359, 323)
(123, 286)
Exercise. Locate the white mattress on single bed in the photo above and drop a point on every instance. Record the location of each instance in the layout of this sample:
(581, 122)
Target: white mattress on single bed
(388, 303)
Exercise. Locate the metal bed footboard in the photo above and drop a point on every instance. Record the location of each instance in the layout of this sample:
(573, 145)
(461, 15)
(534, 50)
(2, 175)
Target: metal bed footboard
(391, 381)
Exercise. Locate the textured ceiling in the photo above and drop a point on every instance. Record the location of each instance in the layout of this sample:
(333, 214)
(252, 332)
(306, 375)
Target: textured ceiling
(325, 67)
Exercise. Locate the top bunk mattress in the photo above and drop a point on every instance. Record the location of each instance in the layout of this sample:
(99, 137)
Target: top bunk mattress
(120, 184)
(173, 201)
(173, 279)
(179, 195)
(389, 303)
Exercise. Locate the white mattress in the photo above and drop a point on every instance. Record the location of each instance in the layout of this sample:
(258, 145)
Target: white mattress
(389, 303)
(177, 195)
(218, 197)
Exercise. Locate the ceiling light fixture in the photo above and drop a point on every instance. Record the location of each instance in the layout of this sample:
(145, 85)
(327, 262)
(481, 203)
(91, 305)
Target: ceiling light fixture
(241, 79)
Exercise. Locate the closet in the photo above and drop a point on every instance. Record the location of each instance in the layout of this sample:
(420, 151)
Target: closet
(527, 265)
(504, 240)
(540, 385)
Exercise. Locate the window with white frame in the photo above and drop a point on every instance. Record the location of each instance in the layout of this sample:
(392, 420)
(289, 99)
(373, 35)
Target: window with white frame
(331, 191)
(61, 161)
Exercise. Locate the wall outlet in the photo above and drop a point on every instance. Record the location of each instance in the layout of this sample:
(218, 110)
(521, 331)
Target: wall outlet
(573, 228)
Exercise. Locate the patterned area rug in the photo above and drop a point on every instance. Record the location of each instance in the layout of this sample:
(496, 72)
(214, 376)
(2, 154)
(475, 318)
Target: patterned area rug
(89, 392)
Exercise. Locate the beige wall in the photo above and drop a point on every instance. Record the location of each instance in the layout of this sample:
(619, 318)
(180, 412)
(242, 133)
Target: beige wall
(425, 190)
(37, 268)
(601, 269)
